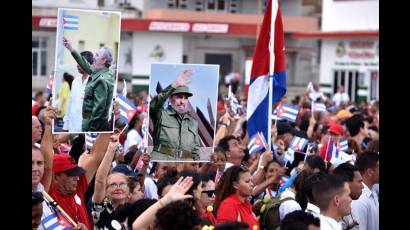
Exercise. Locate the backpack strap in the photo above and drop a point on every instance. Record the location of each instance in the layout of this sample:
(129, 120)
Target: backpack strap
(286, 199)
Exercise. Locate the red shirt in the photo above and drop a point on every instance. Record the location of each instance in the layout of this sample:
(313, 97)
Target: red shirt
(232, 209)
(34, 109)
(74, 204)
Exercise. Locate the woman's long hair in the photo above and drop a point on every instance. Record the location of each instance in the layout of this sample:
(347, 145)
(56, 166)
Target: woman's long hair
(225, 185)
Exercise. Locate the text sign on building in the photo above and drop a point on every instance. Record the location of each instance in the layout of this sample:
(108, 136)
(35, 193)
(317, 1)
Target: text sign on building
(209, 28)
(169, 26)
(186, 27)
(48, 22)
(358, 54)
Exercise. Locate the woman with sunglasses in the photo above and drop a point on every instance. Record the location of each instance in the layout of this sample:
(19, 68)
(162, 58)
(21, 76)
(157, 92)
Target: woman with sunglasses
(110, 192)
(207, 200)
(231, 201)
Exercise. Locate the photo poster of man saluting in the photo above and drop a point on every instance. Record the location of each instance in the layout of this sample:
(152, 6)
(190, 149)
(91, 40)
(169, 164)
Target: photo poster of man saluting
(182, 111)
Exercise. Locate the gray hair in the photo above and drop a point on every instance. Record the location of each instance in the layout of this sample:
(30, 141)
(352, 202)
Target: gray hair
(107, 55)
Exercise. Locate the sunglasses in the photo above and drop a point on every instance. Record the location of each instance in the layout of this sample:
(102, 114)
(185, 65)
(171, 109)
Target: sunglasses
(210, 193)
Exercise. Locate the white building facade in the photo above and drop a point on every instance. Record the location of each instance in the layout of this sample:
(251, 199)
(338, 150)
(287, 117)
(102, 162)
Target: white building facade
(202, 31)
(351, 57)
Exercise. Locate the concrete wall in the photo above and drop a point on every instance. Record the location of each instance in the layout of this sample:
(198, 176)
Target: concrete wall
(350, 15)
(39, 83)
(143, 48)
(89, 4)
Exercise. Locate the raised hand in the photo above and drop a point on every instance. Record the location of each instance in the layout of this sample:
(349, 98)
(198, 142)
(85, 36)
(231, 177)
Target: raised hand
(183, 78)
(114, 142)
(67, 44)
(50, 113)
(80, 226)
(266, 157)
(178, 190)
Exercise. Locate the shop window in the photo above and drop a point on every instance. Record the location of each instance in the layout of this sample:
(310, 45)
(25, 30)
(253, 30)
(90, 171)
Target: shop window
(39, 53)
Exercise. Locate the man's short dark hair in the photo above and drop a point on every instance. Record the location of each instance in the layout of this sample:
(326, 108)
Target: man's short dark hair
(315, 161)
(223, 143)
(169, 178)
(38, 94)
(354, 123)
(131, 151)
(323, 192)
(36, 198)
(346, 170)
(366, 160)
(88, 56)
(299, 220)
(232, 226)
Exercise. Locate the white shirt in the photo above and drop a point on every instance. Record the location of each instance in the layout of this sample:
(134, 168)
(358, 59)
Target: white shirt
(340, 98)
(46, 208)
(376, 189)
(313, 209)
(328, 223)
(74, 115)
(366, 209)
(133, 138)
(288, 206)
(313, 95)
(150, 189)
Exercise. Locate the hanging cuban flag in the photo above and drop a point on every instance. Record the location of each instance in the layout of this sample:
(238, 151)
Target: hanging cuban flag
(268, 73)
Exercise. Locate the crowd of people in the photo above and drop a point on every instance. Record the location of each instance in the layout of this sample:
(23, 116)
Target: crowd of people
(108, 187)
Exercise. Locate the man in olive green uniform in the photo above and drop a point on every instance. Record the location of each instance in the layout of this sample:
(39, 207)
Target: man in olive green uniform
(98, 90)
(175, 130)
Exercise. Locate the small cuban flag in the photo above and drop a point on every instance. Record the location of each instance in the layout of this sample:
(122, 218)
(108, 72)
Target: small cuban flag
(298, 143)
(288, 112)
(283, 179)
(318, 107)
(233, 102)
(70, 22)
(275, 114)
(142, 108)
(90, 139)
(343, 145)
(341, 158)
(257, 143)
(127, 109)
(50, 83)
(289, 156)
(289, 182)
(56, 221)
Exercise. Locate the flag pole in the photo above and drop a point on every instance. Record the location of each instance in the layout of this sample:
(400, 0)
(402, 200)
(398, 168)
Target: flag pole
(274, 9)
(50, 200)
(327, 148)
(126, 125)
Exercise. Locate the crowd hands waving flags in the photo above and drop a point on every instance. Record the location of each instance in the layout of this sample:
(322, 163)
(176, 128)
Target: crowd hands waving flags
(108, 181)
(318, 168)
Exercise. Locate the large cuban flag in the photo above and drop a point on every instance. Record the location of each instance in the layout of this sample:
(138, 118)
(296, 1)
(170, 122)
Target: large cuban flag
(268, 61)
